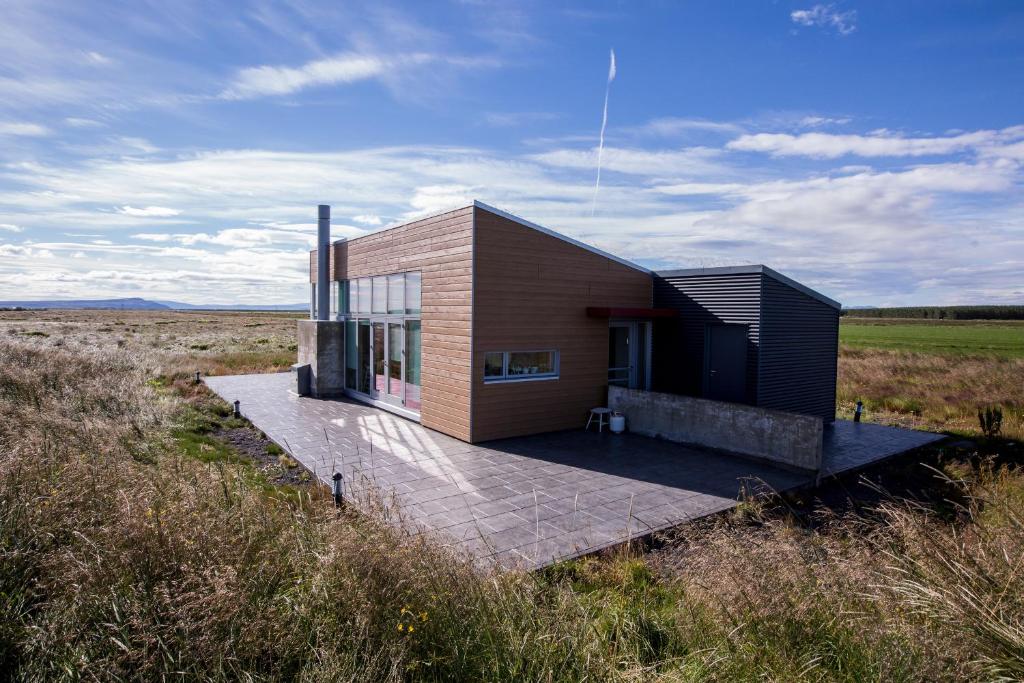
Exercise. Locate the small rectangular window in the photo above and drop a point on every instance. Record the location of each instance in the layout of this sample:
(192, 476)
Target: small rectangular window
(501, 366)
(412, 292)
(396, 293)
(380, 295)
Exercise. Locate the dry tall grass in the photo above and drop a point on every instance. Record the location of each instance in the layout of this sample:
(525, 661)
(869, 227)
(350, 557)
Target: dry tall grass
(932, 391)
(120, 558)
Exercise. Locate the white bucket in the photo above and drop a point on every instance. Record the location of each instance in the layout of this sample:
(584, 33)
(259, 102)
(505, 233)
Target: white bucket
(617, 423)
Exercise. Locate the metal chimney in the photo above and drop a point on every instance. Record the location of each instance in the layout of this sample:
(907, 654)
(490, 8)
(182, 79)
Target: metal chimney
(323, 262)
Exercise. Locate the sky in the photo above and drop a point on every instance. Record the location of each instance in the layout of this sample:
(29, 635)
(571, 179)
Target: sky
(178, 150)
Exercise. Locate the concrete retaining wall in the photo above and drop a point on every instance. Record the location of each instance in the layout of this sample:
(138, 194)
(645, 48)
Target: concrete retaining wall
(322, 347)
(788, 439)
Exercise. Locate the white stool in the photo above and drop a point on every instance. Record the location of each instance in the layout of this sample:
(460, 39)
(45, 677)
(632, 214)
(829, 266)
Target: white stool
(599, 413)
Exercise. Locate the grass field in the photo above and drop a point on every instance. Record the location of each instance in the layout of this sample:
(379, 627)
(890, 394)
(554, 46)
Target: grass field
(137, 543)
(996, 338)
(933, 374)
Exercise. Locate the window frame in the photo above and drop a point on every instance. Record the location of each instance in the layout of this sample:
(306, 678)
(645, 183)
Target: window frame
(505, 378)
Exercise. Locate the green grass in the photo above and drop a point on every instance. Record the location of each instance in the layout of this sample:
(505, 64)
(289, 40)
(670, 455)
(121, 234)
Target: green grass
(1003, 339)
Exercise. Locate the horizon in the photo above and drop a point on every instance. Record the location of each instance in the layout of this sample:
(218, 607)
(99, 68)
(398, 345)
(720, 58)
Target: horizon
(872, 152)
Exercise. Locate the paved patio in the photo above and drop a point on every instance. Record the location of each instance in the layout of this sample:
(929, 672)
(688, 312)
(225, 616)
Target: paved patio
(532, 500)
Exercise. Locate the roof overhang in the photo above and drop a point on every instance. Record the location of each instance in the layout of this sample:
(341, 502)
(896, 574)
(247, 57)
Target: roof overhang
(601, 312)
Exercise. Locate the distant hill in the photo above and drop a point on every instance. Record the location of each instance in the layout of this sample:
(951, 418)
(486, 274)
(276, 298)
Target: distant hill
(139, 304)
(179, 306)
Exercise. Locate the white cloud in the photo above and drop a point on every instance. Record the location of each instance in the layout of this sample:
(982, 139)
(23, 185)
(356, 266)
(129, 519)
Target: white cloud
(97, 58)
(280, 80)
(24, 252)
(688, 161)
(20, 128)
(148, 212)
(513, 119)
(826, 16)
(78, 122)
(671, 126)
(818, 121)
(11, 227)
(860, 233)
(876, 144)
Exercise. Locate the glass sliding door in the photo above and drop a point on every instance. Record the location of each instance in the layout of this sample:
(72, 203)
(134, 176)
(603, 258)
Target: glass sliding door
(351, 355)
(378, 359)
(383, 339)
(365, 358)
(629, 344)
(412, 365)
(396, 393)
(620, 367)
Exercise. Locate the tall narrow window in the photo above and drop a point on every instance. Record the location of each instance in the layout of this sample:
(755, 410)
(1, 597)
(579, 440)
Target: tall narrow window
(333, 305)
(364, 295)
(380, 295)
(396, 294)
(412, 292)
(342, 297)
(312, 301)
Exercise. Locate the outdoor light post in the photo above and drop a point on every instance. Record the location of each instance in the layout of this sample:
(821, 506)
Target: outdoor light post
(238, 408)
(197, 377)
(858, 411)
(336, 489)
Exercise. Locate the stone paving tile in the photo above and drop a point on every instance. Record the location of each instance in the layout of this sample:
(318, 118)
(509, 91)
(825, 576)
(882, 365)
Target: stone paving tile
(531, 500)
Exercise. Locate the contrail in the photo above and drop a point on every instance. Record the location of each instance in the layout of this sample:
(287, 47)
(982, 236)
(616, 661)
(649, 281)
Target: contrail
(604, 123)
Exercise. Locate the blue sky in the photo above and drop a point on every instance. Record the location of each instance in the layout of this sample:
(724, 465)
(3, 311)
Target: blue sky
(177, 150)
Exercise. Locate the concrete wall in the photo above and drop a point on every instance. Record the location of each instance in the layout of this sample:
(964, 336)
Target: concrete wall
(322, 347)
(788, 439)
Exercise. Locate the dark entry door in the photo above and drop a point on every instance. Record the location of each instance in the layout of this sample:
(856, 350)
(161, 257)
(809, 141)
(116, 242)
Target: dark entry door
(725, 363)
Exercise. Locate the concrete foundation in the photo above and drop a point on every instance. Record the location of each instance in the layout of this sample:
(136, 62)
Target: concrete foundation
(788, 439)
(322, 348)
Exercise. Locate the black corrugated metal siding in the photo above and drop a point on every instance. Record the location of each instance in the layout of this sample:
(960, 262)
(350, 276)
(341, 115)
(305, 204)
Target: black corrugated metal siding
(678, 350)
(799, 351)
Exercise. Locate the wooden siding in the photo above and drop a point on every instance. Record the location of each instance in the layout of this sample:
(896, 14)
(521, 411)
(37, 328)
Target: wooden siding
(799, 352)
(531, 294)
(703, 300)
(441, 248)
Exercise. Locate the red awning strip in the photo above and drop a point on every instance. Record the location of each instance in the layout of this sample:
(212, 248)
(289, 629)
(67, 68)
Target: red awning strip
(598, 312)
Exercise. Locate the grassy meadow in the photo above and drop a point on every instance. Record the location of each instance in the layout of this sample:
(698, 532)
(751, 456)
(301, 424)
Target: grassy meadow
(138, 542)
(933, 374)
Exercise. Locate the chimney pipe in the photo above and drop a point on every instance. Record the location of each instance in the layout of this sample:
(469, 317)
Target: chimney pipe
(323, 262)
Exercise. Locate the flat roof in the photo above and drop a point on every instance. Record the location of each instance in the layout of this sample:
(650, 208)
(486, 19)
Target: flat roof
(751, 269)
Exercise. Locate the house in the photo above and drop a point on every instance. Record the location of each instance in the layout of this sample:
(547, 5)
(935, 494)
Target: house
(482, 325)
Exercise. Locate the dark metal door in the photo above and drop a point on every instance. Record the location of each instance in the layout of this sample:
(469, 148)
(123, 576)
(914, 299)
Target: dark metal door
(725, 363)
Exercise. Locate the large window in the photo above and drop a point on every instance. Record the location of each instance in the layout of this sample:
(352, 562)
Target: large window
(382, 337)
(396, 294)
(510, 366)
